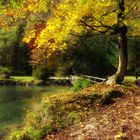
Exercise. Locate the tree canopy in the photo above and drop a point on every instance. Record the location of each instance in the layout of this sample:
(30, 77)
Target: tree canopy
(66, 17)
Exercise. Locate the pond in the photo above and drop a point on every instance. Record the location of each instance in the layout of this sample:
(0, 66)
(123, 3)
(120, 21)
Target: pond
(15, 101)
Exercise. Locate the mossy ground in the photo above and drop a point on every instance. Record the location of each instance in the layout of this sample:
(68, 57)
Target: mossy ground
(117, 121)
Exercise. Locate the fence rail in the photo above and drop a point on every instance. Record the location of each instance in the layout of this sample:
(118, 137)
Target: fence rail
(73, 78)
(93, 79)
(96, 78)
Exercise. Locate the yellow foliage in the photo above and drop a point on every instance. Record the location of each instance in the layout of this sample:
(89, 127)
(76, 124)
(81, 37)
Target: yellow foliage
(63, 18)
(29, 37)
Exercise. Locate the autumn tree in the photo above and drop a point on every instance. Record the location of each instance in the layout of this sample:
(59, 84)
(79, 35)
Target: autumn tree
(66, 18)
(113, 21)
(105, 17)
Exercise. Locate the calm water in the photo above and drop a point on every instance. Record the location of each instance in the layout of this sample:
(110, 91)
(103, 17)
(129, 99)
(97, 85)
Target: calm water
(14, 101)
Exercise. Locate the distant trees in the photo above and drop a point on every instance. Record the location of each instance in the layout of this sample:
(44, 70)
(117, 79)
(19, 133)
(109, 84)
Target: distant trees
(114, 20)
(4, 72)
(13, 52)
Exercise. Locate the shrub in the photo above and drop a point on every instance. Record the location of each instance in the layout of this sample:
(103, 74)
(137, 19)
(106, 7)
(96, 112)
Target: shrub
(73, 118)
(81, 83)
(45, 130)
(4, 72)
(20, 135)
(31, 133)
(41, 73)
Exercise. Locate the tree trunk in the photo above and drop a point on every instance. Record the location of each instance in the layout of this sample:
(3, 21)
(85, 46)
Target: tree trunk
(118, 77)
(122, 46)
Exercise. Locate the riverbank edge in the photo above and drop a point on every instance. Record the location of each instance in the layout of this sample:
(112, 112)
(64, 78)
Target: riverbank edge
(11, 82)
(57, 112)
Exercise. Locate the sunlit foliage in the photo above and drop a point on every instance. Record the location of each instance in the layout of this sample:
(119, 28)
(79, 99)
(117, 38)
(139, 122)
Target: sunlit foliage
(66, 18)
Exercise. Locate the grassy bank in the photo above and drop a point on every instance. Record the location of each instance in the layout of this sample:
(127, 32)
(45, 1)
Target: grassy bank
(20, 80)
(129, 81)
(23, 78)
(26, 80)
(58, 111)
(29, 80)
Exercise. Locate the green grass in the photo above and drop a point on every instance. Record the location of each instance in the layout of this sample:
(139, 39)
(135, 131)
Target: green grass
(23, 78)
(129, 80)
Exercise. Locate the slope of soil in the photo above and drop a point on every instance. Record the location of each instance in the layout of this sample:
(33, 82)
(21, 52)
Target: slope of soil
(120, 120)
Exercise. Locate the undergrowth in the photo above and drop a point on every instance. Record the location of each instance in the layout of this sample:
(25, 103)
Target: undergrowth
(81, 83)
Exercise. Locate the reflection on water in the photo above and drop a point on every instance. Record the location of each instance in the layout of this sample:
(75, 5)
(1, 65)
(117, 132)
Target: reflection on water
(14, 101)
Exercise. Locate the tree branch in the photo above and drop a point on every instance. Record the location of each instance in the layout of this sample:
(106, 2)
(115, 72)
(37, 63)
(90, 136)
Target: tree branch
(108, 13)
(94, 27)
(131, 9)
(86, 35)
(103, 25)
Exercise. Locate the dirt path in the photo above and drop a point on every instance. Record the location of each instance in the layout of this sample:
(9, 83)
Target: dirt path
(120, 120)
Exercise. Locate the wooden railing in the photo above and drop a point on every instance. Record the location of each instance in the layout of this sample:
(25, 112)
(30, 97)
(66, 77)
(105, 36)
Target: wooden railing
(93, 79)
(73, 78)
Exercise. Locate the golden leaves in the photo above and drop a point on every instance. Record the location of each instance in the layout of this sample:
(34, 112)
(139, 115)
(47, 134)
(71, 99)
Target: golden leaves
(61, 19)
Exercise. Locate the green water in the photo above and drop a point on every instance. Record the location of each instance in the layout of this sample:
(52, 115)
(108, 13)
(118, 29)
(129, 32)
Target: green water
(15, 101)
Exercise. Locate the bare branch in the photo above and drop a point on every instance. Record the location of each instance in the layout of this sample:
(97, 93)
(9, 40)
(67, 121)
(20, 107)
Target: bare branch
(96, 27)
(85, 24)
(131, 9)
(108, 13)
(85, 35)
(101, 24)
